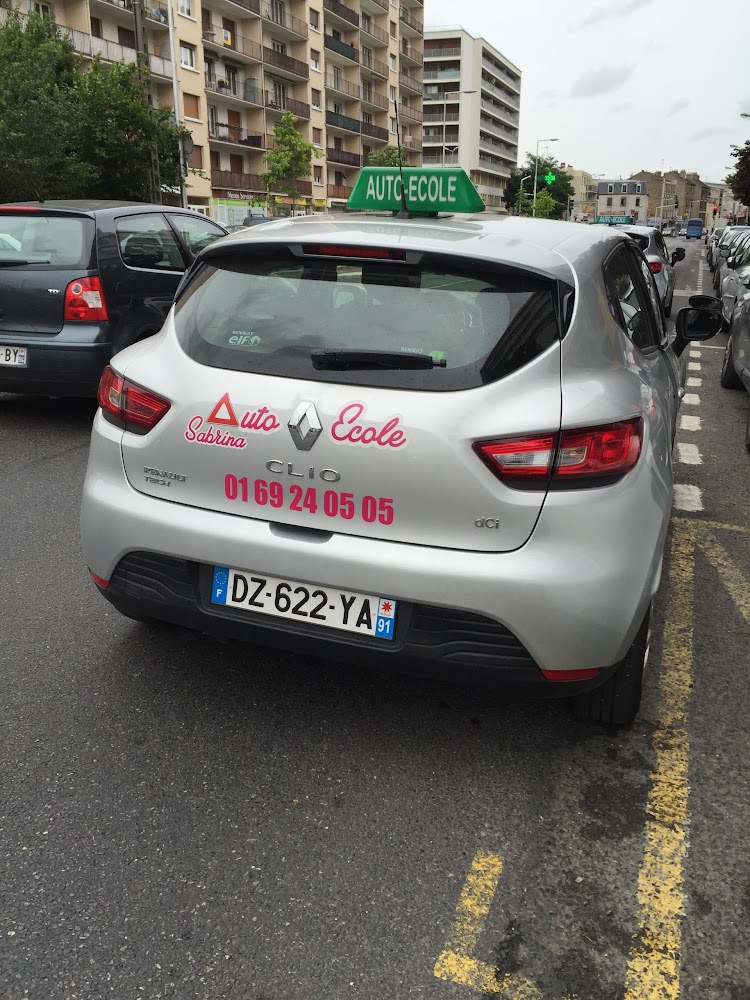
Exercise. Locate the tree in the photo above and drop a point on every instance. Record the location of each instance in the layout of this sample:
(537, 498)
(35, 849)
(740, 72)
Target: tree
(290, 159)
(561, 189)
(120, 132)
(739, 181)
(387, 157)
(38, 155)
(545, 204)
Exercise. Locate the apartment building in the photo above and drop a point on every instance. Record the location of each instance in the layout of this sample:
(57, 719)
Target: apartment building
(472, 103)
(233, 67)
(582, 207)
(623, 198)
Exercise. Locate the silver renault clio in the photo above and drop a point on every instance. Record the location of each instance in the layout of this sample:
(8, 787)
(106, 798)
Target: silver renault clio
(438, 444)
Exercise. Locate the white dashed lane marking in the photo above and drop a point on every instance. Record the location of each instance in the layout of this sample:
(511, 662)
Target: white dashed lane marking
(687, 497)
(688, 454)
(695, 354)
(691, 399)
(689, 423)
(694, 383)
(694, 366)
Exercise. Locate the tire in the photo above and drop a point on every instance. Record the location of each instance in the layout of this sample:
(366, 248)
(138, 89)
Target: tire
(616, 702)
(729, 378)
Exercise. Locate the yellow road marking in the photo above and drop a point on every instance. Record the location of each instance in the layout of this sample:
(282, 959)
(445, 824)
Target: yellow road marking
(736, 583)
(654, 961)
(698, 522)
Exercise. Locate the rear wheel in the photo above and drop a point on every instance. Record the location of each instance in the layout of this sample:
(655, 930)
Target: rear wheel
(616, 702)
(729, 377)
(668, 308)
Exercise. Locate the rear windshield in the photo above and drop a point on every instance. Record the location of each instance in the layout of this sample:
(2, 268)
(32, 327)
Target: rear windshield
(265, 314)
(640, 239)
(45, 242)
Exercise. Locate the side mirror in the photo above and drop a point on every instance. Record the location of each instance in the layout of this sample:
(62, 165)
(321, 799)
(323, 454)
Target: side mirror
(697, 323)
(677, 255)
(746, 281)
(725, 252)
(732, 262)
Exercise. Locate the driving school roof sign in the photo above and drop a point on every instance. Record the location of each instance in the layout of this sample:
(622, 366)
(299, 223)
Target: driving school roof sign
(426, 191)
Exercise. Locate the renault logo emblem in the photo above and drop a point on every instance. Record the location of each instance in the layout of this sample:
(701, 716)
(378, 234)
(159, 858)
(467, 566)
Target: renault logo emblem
(305, 426)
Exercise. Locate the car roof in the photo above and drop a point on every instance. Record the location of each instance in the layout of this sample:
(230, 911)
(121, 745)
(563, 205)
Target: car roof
(90, 206)
(546, 246)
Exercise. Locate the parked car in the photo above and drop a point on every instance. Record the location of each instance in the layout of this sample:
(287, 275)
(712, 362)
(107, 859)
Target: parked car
(735, 368)
(711, 246)
(728, 247)
(360, 439)
(660, 261)
(683, 231)
(81, 280)
(732, 284)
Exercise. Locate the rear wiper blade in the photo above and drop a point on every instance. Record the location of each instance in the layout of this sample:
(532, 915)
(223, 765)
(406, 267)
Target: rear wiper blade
(16, 263)
(346, 360)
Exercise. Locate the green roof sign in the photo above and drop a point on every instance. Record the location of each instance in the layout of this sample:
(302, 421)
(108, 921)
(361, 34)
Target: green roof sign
(426, 190)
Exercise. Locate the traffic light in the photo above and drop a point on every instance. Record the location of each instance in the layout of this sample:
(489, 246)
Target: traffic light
(716, 209)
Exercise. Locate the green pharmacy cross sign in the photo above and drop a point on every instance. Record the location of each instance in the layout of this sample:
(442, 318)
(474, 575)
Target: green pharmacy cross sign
(426, 191)
(550, 178)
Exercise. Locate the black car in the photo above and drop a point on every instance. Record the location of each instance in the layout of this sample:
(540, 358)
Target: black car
(81, 280)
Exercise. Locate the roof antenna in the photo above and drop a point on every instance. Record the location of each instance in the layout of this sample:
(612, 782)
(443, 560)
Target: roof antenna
(404, 213)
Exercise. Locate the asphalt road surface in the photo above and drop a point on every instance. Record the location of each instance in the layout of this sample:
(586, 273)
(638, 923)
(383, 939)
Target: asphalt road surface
(186, 819)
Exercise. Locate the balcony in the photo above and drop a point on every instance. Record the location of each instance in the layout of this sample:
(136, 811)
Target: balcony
(409, 142)
(342, 121)
(375, 66)
(336, 45)
(373, 31)
(409, 83)
(509, 117)
(234, 134)
(375, 131)
(441, 53)
(501, 74)
(237, 44)
(499, 149)
(247, 93)
(449, 160)
(449, 117)
(339, 192)
(443, 74)
(411, 55)
(498, 130)
(341, 11)
(413, 114)
(280, 19)
(411, 24)
(292, 67)
(279, 104)
(491, 165)
(88, 46)
(229, 7)
(232, 181)
(341, 86)
(510, 99)
(374, 100)
(341, 156)
(377, 6)
(155, 12)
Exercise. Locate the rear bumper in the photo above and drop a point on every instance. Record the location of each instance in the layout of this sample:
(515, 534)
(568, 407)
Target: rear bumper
(68, 364)
(573, 596)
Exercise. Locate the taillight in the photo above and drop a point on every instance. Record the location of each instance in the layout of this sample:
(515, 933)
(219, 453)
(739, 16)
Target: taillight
(375, 253)
(654, 266)
(84, 301)
(588, 453)
(128, 405)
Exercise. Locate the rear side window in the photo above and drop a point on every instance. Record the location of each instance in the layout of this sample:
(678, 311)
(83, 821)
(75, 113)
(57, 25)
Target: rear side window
(640, 240)
(196, 233)
(263, 313)
(147, 242)
(46, 242)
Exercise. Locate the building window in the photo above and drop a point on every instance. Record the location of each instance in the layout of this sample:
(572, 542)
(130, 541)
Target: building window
(624, 189)
(638, 189)
(42, 9)
(637, 202)
(393, 29)
(315, 20)
(279, 47)
(610, 188)
(317, 136)
(393, 125)
(96, 27)
(126, 37)
(314, 59)
(315, 98)
(196, 158)
(609, 203)
(185, 7)
(393, 62)
(393, 94)
(192, 105)
(187, 55)
(318, 175)
(367, 118)
(623, 202)
(367, 90)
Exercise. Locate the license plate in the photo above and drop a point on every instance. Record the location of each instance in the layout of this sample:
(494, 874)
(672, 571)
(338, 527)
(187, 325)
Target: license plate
(324, 606)
(14, 357)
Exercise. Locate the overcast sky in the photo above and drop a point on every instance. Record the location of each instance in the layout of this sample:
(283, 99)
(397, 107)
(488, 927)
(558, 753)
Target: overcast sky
(623, 84)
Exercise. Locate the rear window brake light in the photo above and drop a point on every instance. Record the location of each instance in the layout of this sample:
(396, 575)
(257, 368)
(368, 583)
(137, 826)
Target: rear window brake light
(374, 253)
(588, 454)
(128, 405)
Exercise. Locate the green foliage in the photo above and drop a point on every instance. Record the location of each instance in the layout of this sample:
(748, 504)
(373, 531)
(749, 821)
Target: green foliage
(290, 159)
(545, 204)
(387, 157)
(561, 189)
(739, 181)
(66, 132)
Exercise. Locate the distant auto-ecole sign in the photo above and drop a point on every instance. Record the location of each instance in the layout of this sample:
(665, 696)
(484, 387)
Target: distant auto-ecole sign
(614, 220)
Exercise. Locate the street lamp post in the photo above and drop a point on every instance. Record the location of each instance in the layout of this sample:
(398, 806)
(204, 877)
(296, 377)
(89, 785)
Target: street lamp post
(536, 171)
(458, 94)
(521, 192)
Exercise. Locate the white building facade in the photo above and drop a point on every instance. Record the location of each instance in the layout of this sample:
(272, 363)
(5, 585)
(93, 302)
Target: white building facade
(623, 199)
(472, 102)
